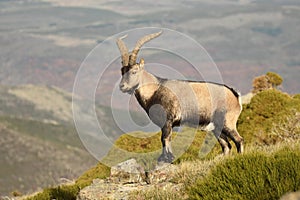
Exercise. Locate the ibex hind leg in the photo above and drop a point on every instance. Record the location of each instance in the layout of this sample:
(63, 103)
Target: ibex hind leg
(218, 121)
(223, 140)
(225, 144)
(236, 138)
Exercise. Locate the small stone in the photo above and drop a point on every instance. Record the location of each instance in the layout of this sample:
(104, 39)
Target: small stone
(128, 171)
(161, 173)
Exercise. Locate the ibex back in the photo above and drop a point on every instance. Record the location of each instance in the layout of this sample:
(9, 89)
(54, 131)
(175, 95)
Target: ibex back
(170, 103)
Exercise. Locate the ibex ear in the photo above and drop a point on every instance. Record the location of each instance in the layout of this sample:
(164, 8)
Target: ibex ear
(142, 62)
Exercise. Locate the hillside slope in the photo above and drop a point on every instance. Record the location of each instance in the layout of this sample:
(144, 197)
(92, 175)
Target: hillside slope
(39, 145)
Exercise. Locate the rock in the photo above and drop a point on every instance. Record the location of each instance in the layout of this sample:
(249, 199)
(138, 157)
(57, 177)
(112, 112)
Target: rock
(132, 172)
(246, 99)
(125, 178)
(103, 189)
(161, 173)
(128, 171)
(291, 196)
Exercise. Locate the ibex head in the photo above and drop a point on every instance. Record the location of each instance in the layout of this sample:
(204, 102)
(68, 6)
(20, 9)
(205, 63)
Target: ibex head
(131, 70)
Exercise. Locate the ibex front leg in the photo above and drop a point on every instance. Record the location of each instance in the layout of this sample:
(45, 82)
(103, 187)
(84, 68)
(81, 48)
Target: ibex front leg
(167, 155)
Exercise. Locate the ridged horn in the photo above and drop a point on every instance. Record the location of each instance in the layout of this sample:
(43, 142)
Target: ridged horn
(123, 50)
(139, 44)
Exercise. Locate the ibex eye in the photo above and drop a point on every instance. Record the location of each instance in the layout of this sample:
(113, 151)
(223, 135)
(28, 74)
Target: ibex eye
(133, 72)
(123, 70)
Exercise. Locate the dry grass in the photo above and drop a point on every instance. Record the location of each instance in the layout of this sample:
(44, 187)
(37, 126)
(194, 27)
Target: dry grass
(287, 129)
(160, 192)
(190, 170)
(186, 173)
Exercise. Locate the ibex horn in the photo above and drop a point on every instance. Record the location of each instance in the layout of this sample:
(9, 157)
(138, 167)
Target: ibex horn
(123, 50)
(139, 44)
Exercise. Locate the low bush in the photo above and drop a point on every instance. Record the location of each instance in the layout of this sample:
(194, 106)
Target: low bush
(265, 110)
(65, 192)
(251, 176)
(99, 171)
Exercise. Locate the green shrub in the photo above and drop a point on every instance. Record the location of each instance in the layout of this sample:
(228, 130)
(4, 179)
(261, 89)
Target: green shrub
(269, 103)
(251, 176)
(65, 192)
(99, 171)
(266, 108)
(274, 79)
(296, 96)
(16, 193)
(268, 81)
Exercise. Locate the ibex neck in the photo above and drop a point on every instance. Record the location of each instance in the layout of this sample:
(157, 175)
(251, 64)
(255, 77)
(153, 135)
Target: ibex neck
(148, 86)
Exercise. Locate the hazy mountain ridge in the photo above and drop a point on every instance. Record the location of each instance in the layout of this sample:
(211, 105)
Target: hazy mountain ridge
(251, 37)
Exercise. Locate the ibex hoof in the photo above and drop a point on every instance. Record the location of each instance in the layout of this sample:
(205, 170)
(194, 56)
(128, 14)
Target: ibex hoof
(166, 158)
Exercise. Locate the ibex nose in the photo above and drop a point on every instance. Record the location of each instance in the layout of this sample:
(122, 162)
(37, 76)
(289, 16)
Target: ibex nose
(122, 85)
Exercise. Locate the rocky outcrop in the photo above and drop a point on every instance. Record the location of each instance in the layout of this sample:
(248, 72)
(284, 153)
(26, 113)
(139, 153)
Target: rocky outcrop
(125, 178)
(246, 99)
(128, 171)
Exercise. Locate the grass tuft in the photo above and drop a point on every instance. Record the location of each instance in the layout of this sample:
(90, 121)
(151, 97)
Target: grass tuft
(255, 175)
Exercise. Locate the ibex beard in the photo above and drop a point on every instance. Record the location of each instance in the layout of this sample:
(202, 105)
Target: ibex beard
(171, 103)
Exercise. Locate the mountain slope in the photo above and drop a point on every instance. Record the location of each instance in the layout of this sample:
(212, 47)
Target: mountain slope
(29, 163)
(38, 141)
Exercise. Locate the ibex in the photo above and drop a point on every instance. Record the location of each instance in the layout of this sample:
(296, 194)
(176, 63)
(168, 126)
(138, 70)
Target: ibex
(214, 106)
